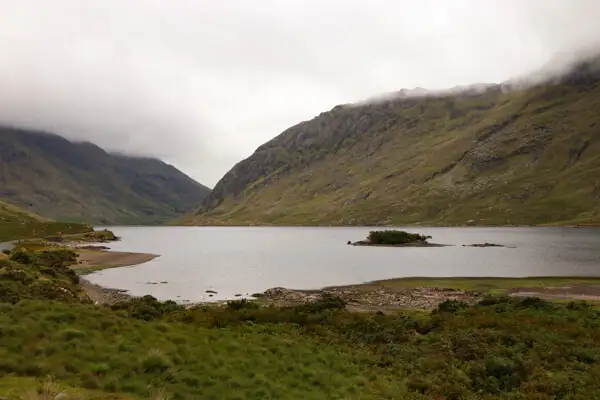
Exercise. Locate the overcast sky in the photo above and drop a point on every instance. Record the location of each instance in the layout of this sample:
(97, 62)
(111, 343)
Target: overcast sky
(202, 83)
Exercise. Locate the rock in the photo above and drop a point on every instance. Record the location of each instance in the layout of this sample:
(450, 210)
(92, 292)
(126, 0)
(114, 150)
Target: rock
(386, 298)
(484, 245)
(238, 295)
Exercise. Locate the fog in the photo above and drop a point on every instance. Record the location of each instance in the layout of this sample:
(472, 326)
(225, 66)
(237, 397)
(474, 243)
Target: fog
(202, 83)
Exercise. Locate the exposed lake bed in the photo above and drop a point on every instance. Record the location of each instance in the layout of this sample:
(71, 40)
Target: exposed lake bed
(198, 264)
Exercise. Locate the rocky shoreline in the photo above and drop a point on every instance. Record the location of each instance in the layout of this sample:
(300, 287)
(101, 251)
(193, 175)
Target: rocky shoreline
(412, 244)
(369, 298)
(102, 295)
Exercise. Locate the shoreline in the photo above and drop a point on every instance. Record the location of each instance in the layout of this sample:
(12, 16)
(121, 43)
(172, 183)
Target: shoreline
(91, 261)
(426, 293)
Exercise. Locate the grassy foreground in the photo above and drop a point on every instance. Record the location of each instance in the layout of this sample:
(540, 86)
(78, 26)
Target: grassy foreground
(501, 348)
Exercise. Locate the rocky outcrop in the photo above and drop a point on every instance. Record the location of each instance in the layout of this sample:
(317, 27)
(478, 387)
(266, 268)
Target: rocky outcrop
(366, 298)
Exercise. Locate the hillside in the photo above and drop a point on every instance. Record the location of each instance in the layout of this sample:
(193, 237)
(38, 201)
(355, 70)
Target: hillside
(54, 177)
(10, 214)
(495, 156)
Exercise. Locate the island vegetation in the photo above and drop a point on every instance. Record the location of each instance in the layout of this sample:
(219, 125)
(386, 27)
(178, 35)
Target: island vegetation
(394, 238)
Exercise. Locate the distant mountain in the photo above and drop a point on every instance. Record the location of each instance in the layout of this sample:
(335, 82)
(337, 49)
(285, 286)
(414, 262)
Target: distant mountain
(524, 152)
(69, 181)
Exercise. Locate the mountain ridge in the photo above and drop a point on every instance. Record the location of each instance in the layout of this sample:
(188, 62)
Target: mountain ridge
(519, 156)
(79, 181)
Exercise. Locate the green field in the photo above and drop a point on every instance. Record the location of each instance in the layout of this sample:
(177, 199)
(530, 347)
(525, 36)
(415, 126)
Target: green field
(501, 348)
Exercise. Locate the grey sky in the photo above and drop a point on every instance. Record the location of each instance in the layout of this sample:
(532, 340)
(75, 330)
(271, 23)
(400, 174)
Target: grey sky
(202, 83)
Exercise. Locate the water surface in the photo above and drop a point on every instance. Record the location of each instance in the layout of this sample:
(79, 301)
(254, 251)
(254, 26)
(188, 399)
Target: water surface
(246, 260)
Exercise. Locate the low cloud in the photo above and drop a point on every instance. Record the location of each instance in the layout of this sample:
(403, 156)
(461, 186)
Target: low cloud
(202, 83)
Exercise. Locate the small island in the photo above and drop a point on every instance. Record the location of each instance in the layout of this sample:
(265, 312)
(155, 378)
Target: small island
(395, 238)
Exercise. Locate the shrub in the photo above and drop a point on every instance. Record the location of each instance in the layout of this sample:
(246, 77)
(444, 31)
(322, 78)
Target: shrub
(22, 257)
(395, 237)
(155, 362)
(147, 308)
(326, 302)
(72, 334)
(452, 306)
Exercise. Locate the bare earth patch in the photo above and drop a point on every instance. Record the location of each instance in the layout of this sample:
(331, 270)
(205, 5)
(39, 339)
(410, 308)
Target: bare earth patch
(111, 259)
(97, 260)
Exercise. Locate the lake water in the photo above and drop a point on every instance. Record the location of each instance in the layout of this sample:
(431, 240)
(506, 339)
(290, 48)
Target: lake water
(247, 260)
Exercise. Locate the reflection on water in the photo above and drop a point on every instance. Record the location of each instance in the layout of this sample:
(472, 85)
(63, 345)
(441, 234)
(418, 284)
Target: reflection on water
(244, 260)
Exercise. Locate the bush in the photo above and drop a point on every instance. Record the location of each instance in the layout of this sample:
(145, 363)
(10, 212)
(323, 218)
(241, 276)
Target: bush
(326, 302)
(452, 306)
(241, 304)
(147, 308)
(395, 237)
(155, 362)
(22, 257)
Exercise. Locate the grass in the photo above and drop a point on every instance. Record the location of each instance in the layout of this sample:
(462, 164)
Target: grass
(91, 236)
(48, 388)
(98, 349)
(16, 223)
(500, 348)
(35, 229)
(456, 352)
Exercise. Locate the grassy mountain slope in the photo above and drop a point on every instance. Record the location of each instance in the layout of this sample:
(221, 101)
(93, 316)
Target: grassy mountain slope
(81, 182)
(16, 223)
(13, 214)
(525, 156)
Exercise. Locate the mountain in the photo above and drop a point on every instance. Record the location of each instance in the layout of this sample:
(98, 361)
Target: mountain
(499, 154)
(70, 181)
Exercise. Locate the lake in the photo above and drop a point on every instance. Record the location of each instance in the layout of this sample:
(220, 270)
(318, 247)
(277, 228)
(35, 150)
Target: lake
(246, 260)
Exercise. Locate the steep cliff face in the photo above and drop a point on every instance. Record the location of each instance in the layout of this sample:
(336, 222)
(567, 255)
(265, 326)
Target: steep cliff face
(54, 177)
(522, 156)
